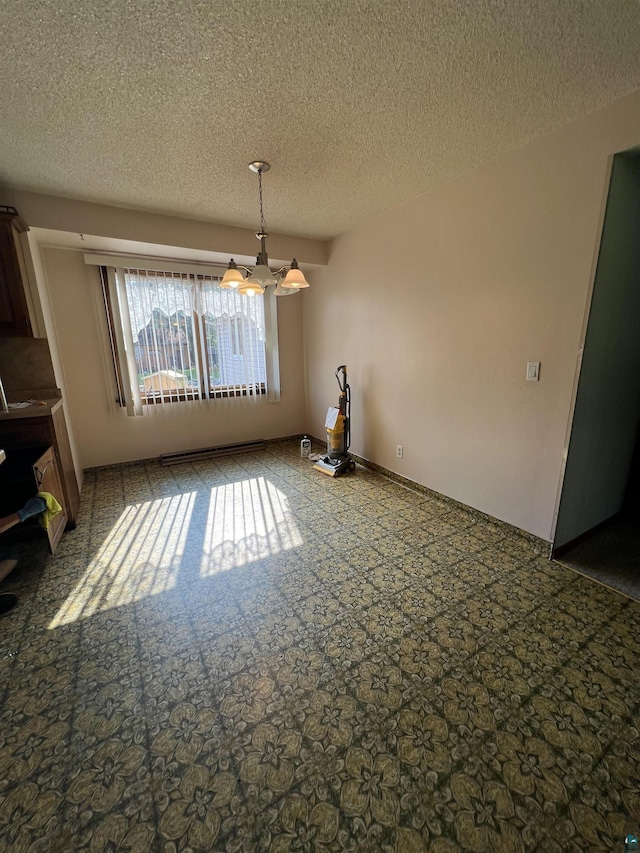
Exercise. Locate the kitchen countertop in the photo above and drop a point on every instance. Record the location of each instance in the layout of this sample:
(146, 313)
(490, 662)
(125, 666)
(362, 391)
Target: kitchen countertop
(50, 406)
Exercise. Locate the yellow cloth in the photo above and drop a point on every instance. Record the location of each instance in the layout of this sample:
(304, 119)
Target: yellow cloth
(53, 508)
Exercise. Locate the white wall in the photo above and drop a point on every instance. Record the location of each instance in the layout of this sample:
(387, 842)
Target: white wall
(103, 433)
(436, 307)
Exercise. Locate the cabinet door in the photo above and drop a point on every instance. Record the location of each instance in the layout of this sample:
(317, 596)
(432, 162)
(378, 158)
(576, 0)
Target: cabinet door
(47, 479)
(14, 315)
(16, 433)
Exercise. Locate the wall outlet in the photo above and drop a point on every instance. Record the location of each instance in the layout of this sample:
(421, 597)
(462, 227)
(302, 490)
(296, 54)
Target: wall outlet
(399, 451)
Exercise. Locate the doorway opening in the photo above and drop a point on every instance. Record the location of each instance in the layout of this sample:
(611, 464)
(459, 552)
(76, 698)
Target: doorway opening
(598, 525)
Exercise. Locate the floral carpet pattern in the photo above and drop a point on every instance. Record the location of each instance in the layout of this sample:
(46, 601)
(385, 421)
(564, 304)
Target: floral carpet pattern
(243, 654)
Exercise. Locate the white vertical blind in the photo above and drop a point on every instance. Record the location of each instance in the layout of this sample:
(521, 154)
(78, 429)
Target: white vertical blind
(124, 341)
(271, 345)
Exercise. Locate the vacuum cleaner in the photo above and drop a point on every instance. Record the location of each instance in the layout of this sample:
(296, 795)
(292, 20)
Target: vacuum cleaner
(338, 460)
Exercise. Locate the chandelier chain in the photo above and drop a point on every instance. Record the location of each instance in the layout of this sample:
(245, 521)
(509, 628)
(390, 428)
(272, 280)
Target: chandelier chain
(263, 226)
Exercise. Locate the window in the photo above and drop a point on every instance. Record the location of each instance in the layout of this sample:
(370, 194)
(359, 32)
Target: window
(178, 336)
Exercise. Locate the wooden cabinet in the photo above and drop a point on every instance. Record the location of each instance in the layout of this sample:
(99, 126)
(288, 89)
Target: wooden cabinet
(26, 472)
(45, 427)
(14, 314)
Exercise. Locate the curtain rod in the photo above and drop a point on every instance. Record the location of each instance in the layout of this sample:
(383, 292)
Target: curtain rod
(145, 262)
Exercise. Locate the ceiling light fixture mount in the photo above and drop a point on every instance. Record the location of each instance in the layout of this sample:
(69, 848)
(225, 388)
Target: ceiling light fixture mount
(288, 279)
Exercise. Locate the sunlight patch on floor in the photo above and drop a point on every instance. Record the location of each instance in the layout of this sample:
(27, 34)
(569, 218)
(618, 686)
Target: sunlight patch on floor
(141, 556)
(153, 542)
(247, 521)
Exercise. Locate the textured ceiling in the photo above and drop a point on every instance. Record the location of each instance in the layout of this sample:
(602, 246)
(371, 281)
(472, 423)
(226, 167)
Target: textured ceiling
(359, 106)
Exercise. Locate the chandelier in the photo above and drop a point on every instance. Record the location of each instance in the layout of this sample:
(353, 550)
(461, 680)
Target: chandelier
(288, 279)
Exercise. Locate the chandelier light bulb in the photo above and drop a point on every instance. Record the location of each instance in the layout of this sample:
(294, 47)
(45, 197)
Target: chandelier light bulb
(295, 277)
(250, 288)
(232, 278)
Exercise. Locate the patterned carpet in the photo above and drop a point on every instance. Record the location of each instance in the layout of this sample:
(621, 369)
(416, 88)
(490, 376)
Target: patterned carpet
(243, 654)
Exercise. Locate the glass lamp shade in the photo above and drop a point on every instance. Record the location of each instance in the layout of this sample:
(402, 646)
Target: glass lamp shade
(280, 291)
(232, 278)
(263, 276)
(295, 279)
(250, 288)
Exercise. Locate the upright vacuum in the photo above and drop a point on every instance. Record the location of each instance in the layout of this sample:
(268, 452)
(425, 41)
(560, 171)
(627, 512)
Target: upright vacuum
(338, 425)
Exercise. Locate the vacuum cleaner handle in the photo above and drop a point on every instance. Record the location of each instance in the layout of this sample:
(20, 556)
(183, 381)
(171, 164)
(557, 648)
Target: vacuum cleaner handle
(345, 402)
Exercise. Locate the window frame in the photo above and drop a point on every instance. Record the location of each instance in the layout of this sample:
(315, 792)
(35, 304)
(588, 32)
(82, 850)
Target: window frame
(206, 391)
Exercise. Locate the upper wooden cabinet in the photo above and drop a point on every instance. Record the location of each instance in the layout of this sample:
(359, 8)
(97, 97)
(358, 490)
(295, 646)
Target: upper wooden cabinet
(14, 314)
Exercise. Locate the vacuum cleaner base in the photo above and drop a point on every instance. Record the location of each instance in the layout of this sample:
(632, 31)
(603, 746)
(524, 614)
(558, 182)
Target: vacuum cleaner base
(333, 467)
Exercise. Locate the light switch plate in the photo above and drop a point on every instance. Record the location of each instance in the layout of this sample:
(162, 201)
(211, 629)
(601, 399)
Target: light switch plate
(533, 371)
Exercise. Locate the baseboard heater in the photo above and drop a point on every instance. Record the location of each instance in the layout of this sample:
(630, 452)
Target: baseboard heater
(211, 452)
